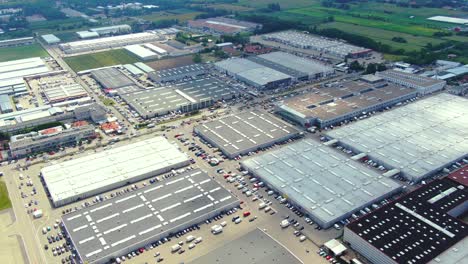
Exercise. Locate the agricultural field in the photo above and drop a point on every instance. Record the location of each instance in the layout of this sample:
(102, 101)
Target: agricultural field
(100, 59)
(181, 16)
(22, 52)
(413, 43)
(4, 199)
(171, 62)
(284, 4)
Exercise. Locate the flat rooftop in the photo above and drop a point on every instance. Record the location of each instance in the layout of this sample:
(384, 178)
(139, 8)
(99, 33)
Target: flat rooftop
(322, 180)
(111, 78)
(187, 70)
(254, 247)
(247, 131)
(417, 139)
(418, 226)
(410, 78)
(207, 88)
(137, 218)
(460, 176)
(110, 168)
(307, 66)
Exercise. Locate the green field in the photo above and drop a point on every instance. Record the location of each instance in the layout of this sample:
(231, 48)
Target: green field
(180, 16)
(4, 199)
(100, 59)
(22, 52)
(414, 43)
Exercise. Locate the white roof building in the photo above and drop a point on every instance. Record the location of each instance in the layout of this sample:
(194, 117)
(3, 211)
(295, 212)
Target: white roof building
(86, 176)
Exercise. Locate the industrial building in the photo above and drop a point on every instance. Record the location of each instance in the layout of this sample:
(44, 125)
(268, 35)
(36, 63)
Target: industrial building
(424, 85)
(18, 120)
(141, 52)
(34, 142)
(420, 227)
(178, 73)
(86, 176)
(12, 74)
(253, 73)
(256, 245)
(142, 66)
(325, 183)
(117, 226)
(17, 42)
(87, 34)
(110, 30)
(418, 139)
(343, 101)
(5, 104)
(320, 44)
(50, 39)
(107, 42)
(222, 26)
(308, 69)
(160, 51)
(134, 70)
(111, 78)
(183, 96)
(238, 134)
(58, 88)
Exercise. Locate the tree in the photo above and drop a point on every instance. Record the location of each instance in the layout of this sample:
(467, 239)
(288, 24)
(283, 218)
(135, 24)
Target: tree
(381, 67)
(371, 68)
(355, 66)
(197, 58)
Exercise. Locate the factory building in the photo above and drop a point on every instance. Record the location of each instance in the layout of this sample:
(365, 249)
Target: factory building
(142, 52)
(321, 181)
(17, 42)
(341, 102)
(253, 74)
(107, 42)
(178, 73)
(50, 39)
(420, 227)
(117, 226)
(320, 44)
(12, 74)
(111, 78)
(111, 30)
(69, 181)
(222, 26)
(5, 104)
(34, 142)
(87, 34)
(239, 134)
(59, 89)
(158, 50)
(424, 85)
(418, 139)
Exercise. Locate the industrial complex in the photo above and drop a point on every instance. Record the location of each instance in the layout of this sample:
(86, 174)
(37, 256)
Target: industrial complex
(323, 182)
(84, 177)
(420, 227)
(111, 78)
(222, 26)
(245, 132)
(117, 226)
(342, 101)
(418, 139)
(424, 85)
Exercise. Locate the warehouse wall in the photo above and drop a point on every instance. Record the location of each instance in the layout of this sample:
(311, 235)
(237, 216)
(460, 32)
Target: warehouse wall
(366, 249)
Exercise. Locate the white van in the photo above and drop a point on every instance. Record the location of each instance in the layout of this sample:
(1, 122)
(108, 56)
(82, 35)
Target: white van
(223, 224)
(175, 248)
(302, 238)
(262, 205)
(285, 223)
(198, 240)
(267, 209)
(190, 238)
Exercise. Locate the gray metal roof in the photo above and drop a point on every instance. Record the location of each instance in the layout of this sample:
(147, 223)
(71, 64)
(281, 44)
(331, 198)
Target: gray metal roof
(263, 76)
(255, 247)
(417, 139)
(137, 218)
(111, 78)
(206, 88)
(322, 180)
(244, 132)
(296, 63)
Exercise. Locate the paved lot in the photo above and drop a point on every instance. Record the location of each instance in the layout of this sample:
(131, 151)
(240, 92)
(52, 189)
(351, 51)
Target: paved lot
(11, 250)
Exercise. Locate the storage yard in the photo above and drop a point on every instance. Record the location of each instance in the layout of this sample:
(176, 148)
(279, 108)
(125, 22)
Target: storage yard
(320, 180)
(76, 179)
(245, 132)
(420, 227)
(255, 245)
(420, 138)
(185, 96)
(332, 105)
(326, 46)
(131, 221)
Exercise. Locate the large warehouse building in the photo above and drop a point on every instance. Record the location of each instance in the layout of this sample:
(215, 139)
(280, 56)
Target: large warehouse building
(343, 101)
(178, 73)
(322, 181)
(86, 176)
(141, 52)
(107, 42)
(418, 139)
(242, 133)
(257, 246)
(111, 78)
(253, 73)
(420, 227)
(131, 221)
(424, 85)
(222, 26)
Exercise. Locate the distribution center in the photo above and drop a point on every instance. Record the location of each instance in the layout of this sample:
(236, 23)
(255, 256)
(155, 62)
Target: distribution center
(326, 184)
(242, 133)
(86, 176)
(128, 222)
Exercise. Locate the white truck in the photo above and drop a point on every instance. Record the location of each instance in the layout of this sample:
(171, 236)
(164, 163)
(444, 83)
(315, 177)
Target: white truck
(37, 214)
(216, 229)
(175, 248)
(285, 223)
